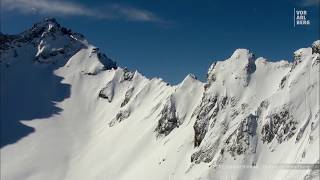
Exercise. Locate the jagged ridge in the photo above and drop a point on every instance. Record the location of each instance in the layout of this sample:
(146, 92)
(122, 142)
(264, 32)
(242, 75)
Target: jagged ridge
(118, 124)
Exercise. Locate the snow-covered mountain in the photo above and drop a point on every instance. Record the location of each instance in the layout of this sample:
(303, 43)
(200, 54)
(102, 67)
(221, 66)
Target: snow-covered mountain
(69, 113)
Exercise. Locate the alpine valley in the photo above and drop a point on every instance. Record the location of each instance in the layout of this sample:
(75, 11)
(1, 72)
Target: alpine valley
(68, 112)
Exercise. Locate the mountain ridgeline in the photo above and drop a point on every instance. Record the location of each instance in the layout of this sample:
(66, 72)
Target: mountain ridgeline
(69, 112)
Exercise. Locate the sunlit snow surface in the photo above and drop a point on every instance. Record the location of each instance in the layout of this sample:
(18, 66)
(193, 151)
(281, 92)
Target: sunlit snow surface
(74, 115)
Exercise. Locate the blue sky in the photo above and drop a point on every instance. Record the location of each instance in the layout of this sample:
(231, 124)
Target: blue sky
(170, 39)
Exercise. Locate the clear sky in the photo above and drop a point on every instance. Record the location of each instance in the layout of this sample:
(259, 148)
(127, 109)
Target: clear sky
(170, 39)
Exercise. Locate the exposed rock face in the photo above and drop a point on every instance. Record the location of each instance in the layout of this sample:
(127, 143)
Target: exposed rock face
(211, 124)
(204, 113)
(283, 82)
(5, 41)
(316, 47)
(316, 50)
(206, 153)
(107, 92)
(127, 96)
(64, 43)
(51, 44)
(168, 118)
(241, 141)
(280, 125)
(122, 114)
(107, 62)
(121, 78)
(223, 102)
(127, 75)
(212, 137)
(50, 39)
(211, 76)
(238, 143)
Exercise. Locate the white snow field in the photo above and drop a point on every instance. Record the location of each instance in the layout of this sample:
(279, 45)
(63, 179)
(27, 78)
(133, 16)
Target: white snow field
(69, 113)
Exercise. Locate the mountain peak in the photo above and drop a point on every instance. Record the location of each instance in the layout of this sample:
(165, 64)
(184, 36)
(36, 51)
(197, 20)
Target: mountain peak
(47, 21)
(190, 78)
(241, 64)
(242, 54)
(47, 24)
(50, 43)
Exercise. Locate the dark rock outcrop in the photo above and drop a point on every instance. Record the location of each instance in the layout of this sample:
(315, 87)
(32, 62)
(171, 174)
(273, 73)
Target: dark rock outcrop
(127, 96)
(127, 75)
(121, 115)
(239, 141)
(107, 92)
(104, 59)
(283, 82)
(168, 118)
(204, 113)
(279, 125)
(205, 154)
(316, 47)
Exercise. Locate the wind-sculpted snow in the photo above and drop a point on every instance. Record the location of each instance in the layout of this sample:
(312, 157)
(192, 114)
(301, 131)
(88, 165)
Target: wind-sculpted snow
(86, 118)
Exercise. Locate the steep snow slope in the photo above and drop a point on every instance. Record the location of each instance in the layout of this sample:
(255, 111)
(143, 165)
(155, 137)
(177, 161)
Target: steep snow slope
(68, 112)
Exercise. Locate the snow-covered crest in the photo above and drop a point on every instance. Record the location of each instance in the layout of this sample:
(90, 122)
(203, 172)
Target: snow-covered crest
(74, 114)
